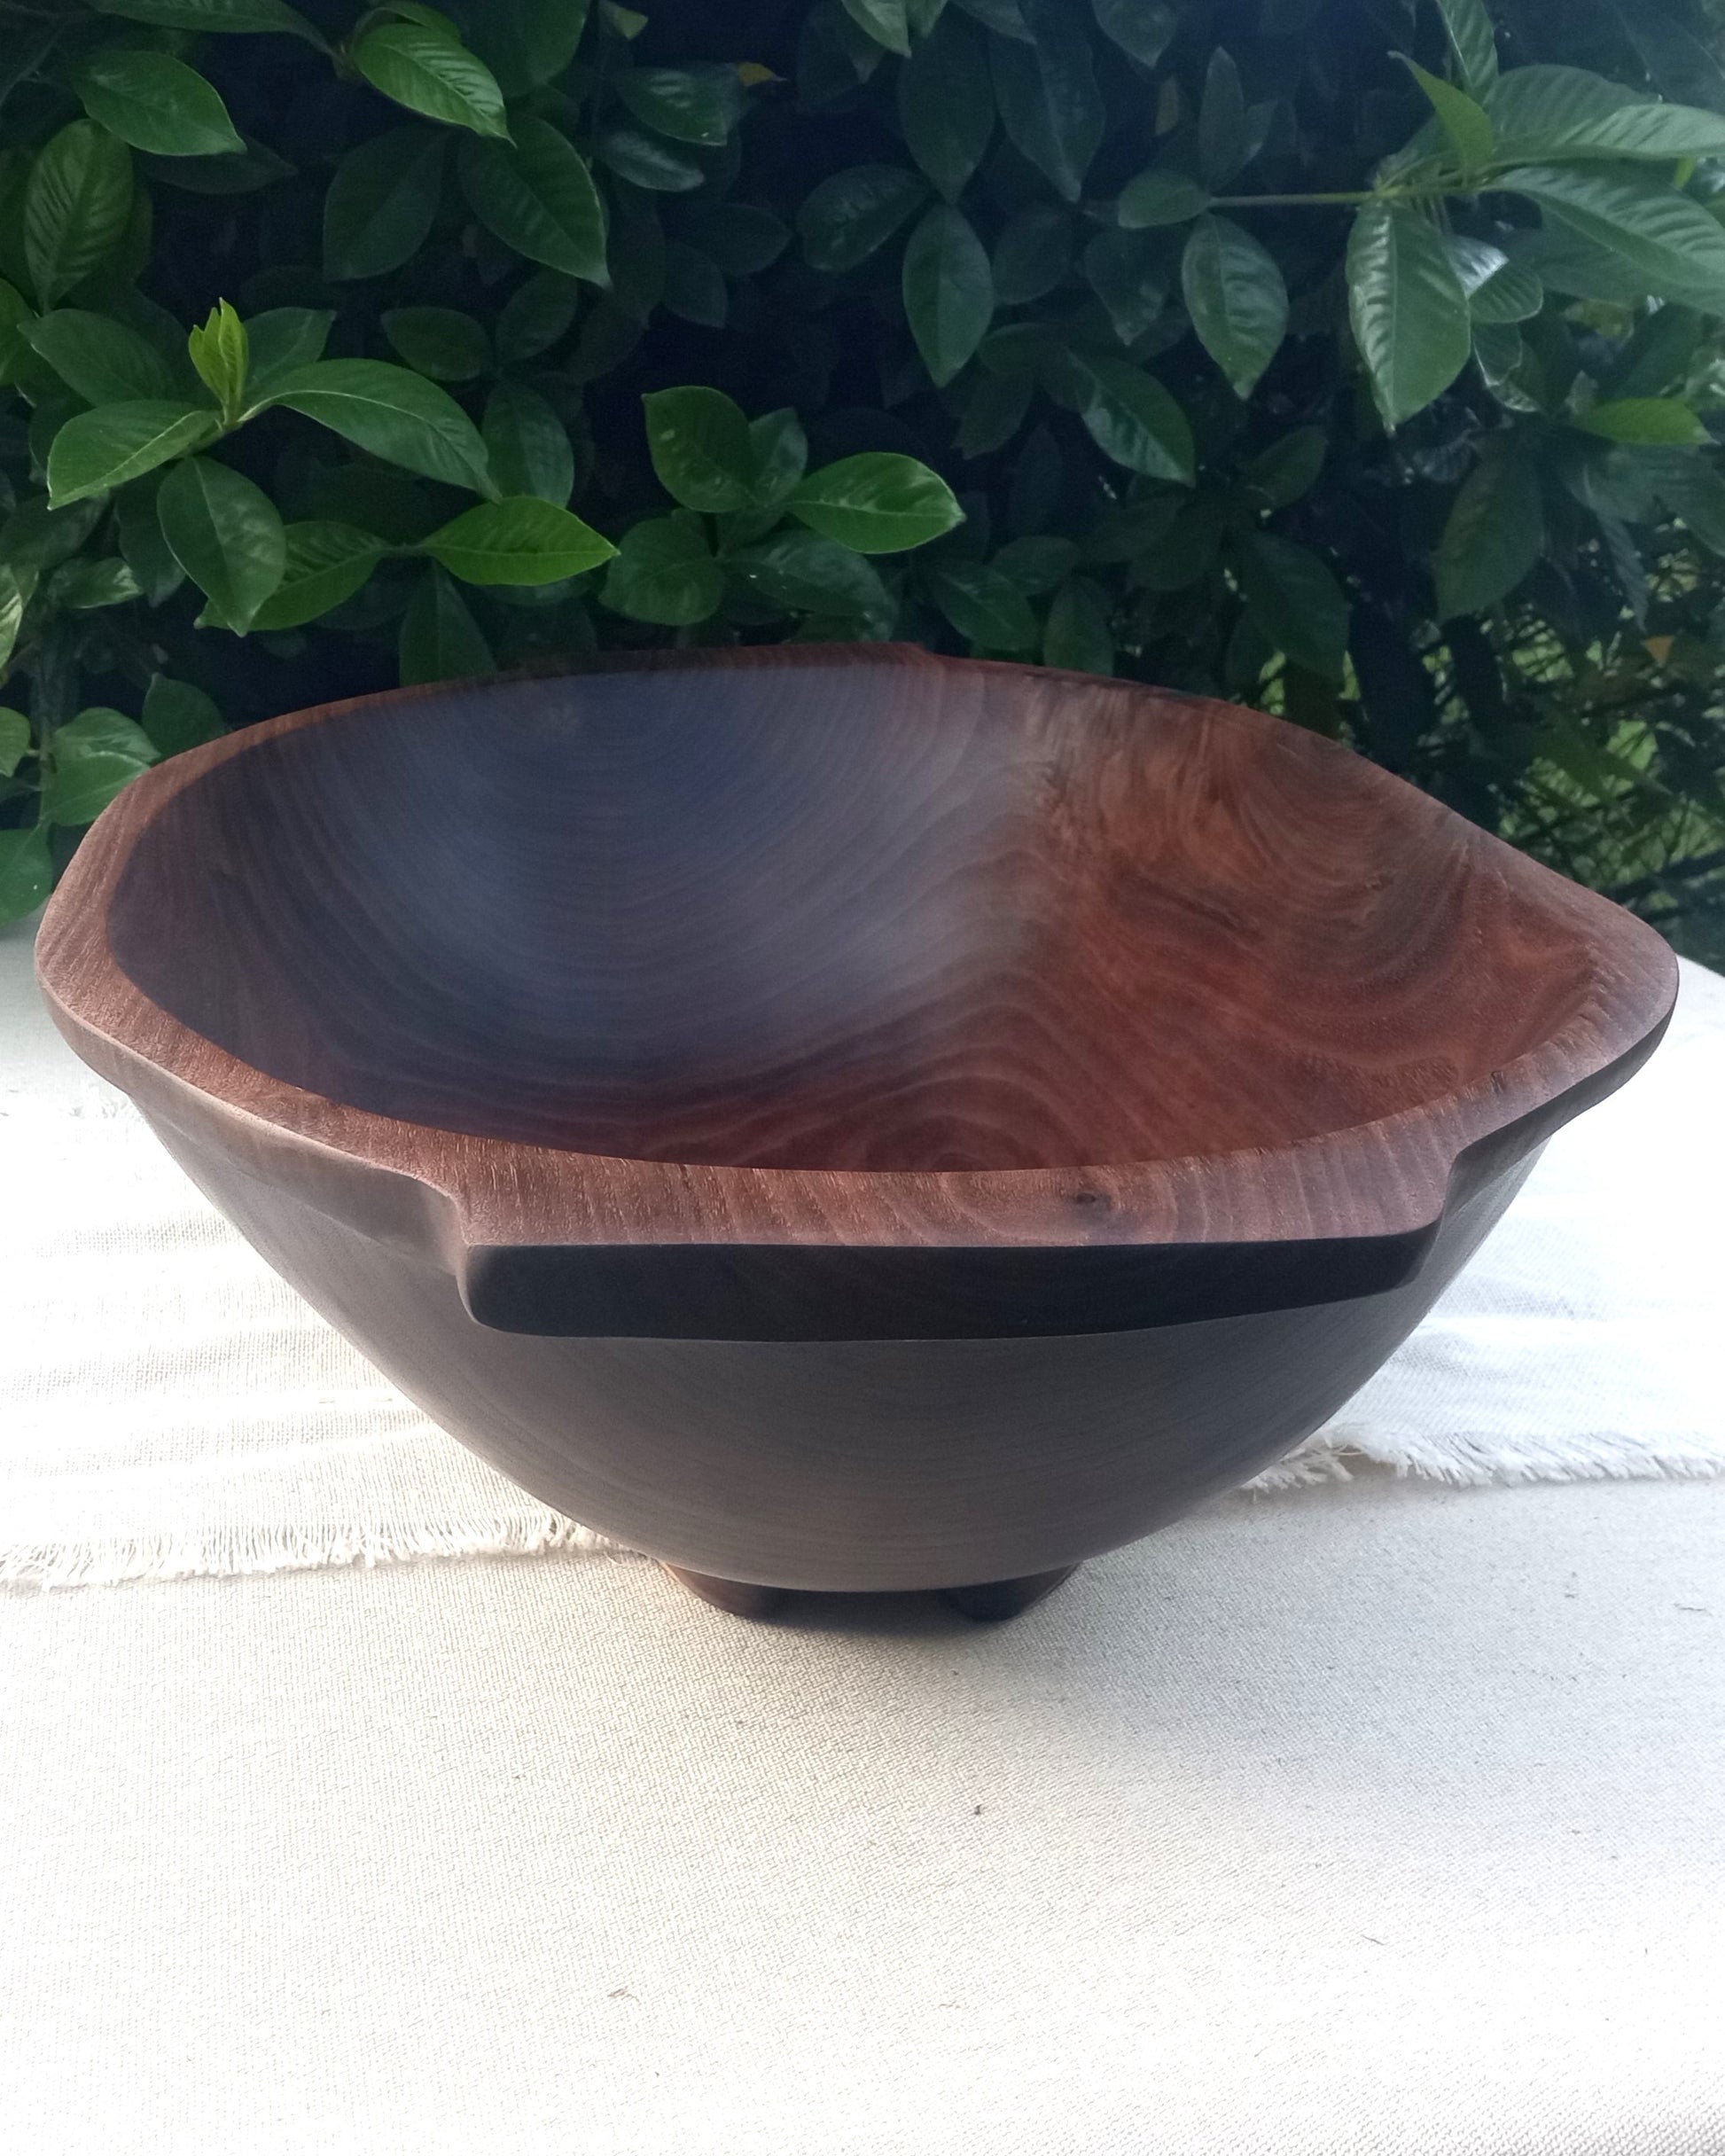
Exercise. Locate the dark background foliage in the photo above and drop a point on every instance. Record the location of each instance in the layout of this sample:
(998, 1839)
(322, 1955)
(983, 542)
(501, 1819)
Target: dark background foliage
(925, 231)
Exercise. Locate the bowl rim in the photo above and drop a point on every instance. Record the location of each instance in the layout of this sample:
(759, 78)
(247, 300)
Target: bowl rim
(1389, 1177)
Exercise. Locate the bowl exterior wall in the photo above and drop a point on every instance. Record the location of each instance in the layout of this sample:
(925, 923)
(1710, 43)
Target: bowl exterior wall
(851, 1464)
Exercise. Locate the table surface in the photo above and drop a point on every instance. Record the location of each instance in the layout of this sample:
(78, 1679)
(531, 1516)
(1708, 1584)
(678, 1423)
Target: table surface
(1375, 1817)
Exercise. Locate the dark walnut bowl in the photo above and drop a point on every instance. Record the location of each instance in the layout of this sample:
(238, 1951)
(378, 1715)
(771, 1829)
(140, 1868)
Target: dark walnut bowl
(840, 1118)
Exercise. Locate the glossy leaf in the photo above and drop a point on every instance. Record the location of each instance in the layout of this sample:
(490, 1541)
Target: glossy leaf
(947, 105)
(1295, 599)
(220, 349)
(701, 449)
(1649, 422)
(1471, 39)
(1409, 310)
(1288, 470)
(1161, 196)
(82, 586)
(1131, 274)
(780, 449)
(539, 313)
(877, 503)
(141, 543)
(844, 219)
(1134, 421)
(327, 563)
(1472, 138)
(438, 341)
(101, 449)
(527, 43)
(381, 202)
(75, 207)
(646, 162)
(1047, 94)
(1145, 28)
(155, 102)
(519, 540)
(697, 105)
(949, 291)
(440, 640)
(987, 608)
(102, 360)
(527, 444)
(664, 571)
(210, 16)
(282, 338)
(804, 573)
(537, 195)
(883, 20)
(177, 715)
(1665, 239)
(226, 534)
(1236, 298)
(394, 413)
(429, 72)
(91, 758)
(1223, 145)
(1552, 115)
(1493, 537)
(1033, 254)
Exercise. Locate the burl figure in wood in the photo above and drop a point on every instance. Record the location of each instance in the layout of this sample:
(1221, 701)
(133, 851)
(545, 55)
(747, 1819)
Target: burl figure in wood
(841, 1118)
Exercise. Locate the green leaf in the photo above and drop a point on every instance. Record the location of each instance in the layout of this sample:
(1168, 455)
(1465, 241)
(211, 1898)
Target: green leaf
(379, 211)
(1161, 196)
(537, 315)
(1038, 564)
(1493, 536)
(1033, 254)
(141, 543)
(664, 572)
(1467, 23)
(16, 318)
(527, 43)
(1655, 422)
(101, 449)
(844, 219)
(646, 162)
(1509, 293)
(1669, 242)
(1223, 145)
(519, 540)
(75, 207)
(695, 288)
(222, 353)
(240, 172)
(88, 761)
(1144, 29)
(101, 359)
(1295, 599)
(176, 715)
(155, 102)
(226, 534)
(537, 196)
(14, 740)
(1236, 298)
(82, 586)
(701, 449)
(879, 502)
(882, 20)
(1077, 634)
(949, 291)
(741, 237)
(216, 15)
(429, 72)
(947, 105)
(11, 611)
(1551, 115)
(327, 563)
(282, 338)
(986, 609)
(528, 445)
(394, 414)
(1130, 273)
(804, 573)
(1289, 468)
(780, 448)
(1408, 308)
(1134, 421)
(1466, 123)
(36, 536)
(439, 342)
(440, 639)
(27, 872)
(697, 105)
(1047, 94)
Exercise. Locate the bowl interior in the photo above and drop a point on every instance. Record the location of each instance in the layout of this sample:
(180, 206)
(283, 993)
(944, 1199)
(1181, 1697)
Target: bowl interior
(847, 916)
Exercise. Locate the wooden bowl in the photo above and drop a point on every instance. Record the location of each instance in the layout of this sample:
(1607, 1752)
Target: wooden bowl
(842, 1118)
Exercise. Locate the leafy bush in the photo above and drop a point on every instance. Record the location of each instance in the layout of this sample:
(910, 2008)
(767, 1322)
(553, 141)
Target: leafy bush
(1357, 357)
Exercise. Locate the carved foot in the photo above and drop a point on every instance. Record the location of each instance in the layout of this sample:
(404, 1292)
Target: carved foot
(992, 1600)
(736, 1596)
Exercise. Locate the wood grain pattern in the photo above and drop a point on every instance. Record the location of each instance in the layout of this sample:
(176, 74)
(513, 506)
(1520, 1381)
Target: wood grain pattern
(672, 1071)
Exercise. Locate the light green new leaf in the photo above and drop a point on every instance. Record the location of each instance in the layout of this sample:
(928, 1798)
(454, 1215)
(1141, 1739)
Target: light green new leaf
(1651, 422)
(177, 715)
(27, 872)
(327, 562)
(1668, 241)
(76, 205)
(14, 739)
(1134, 421)
(846, 217)
(1466, 122)
(394, 413)
(1473, 41)
(528, 445)
(101, 359)
(89, 760)
(947, 105)
(884, 21)
(1408, 308)
(440, 639)
(226, 534)
(664, 571)
(804, 573)
(381, 202)
(101, 449)
(697, 105)
(519, 541)
(537, 195)
(222, 353)
(1294, 597)
(878, 503)
(430, 71)
(987, 608)
(439, 342)
(1238, 300)
(236, 16)
(949, 291)
(155, 102)
(1047, 94)
(701, 449)
(1493, 537)
(1161, 196)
